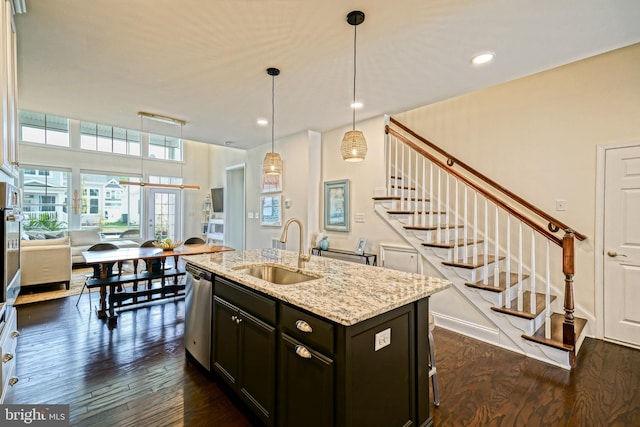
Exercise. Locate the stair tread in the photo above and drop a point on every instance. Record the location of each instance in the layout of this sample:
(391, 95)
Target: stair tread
(469, 263)
(431, 228)
(403, 187)
(502, 282)
(411, 199)
(411, 211)
(451, 243)
(526, 306)
(557, 319)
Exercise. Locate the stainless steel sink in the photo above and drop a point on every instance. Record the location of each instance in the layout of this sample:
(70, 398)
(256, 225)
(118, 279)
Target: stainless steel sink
(277, 275)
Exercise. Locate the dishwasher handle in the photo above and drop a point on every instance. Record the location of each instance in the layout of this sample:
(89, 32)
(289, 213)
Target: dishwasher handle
(198, 273)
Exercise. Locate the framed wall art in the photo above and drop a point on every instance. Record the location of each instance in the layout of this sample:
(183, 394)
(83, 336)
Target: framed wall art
(270, 210)
(336, 205)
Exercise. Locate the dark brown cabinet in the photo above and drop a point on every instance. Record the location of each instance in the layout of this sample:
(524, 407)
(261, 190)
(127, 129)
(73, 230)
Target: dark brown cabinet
(244, 348)
(373, 373)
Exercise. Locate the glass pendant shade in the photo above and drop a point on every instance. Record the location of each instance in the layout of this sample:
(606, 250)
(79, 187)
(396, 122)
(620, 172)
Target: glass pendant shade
(272, 164)
(354, 146)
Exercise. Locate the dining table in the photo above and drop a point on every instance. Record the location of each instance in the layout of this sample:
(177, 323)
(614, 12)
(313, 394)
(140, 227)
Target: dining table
(114, 281)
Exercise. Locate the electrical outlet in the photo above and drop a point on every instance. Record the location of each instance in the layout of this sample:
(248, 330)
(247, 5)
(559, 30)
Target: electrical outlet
(561, 205)
(383, 339)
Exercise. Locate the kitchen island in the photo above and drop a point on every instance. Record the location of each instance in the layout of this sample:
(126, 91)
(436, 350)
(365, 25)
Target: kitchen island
(346, 347)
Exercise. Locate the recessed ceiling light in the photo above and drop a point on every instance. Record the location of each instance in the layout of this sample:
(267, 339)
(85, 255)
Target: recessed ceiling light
(483, 58)
(262, 122)
(356, 105)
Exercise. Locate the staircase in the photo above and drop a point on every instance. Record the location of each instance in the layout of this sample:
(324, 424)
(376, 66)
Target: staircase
(502, 254)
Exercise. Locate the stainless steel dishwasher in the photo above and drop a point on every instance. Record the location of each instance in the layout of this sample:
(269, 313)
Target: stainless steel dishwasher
(197, 327)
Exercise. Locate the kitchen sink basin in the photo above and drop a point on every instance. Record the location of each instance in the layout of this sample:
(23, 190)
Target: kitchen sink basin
(277, 275)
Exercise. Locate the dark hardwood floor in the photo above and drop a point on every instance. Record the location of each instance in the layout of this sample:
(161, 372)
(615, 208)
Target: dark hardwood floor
(138, 375)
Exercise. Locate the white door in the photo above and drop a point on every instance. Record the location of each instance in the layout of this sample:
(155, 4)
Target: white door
(165, 214)
(622, 245)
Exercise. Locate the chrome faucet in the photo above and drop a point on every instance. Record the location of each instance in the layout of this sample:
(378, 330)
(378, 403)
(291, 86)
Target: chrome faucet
(302, 257)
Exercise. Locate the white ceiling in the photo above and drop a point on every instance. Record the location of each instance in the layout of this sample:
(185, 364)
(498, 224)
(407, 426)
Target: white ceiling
(204, 61)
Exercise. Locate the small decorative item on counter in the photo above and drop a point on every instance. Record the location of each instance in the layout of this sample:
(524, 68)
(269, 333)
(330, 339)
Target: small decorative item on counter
(324, 244)
(167, 244)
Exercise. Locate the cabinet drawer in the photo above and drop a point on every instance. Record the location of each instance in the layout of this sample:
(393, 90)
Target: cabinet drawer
(247, 300)
(307, 328)
(8, 343)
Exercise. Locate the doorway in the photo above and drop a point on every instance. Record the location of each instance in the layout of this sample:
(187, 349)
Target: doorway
(234, 234)
(165, 214)
(619, 256)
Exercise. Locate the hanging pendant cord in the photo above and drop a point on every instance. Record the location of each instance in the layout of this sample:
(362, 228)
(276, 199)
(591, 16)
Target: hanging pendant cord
(273, 108)
(355, 35)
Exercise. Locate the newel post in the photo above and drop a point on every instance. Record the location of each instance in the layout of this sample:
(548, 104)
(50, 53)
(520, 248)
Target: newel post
(568, 268)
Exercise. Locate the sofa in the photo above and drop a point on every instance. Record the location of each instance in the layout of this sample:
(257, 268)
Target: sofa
(45, 261)
(81, 240)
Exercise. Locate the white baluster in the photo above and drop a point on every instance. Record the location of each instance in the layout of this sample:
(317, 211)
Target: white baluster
(475, 227)
(401, 184)
(508, 269)
(520, 266)
(547, 297)
(456, 247)
(415, 193)
(423, 223)
(388, 145)
(446, 207)
(432, 199)
(485, 279)
(533, 272)
(436, 211)
(407, 202)
(395, 187)
(496, 264)
(466, 227)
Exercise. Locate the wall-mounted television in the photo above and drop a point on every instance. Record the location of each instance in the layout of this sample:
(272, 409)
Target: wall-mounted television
(217, 199)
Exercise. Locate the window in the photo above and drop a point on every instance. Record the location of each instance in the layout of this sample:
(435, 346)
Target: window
(106, 204)
(109, 139)
(45, 200)
(165, 147)
(44, 129)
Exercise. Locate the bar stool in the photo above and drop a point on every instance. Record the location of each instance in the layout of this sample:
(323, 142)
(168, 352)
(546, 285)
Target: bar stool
(433, 373)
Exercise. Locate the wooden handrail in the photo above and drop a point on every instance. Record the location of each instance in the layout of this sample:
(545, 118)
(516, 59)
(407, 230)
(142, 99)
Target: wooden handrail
(451, 160)
(531, 223)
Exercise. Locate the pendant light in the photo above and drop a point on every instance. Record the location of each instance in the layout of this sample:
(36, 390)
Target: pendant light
(354, 146)
(272, 164)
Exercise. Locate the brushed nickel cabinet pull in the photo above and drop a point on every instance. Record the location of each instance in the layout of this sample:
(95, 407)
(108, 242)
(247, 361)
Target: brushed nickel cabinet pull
(304, 326)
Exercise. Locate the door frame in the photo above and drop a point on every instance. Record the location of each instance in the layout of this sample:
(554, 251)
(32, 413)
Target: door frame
(601, 154)
(227, 204)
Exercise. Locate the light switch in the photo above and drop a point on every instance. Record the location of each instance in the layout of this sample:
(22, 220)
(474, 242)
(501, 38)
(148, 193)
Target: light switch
(250, 215)
(359, 217)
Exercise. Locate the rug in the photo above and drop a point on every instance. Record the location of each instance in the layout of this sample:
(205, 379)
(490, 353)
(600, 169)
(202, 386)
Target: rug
(48, 292)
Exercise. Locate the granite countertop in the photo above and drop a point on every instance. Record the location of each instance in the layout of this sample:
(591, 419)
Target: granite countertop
(347, 293)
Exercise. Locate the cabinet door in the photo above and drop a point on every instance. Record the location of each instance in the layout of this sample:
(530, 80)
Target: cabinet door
(257, 366)
(225, 340)
(305, 387)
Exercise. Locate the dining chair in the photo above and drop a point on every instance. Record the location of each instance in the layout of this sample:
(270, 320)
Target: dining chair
(96, 267)
(193, 241)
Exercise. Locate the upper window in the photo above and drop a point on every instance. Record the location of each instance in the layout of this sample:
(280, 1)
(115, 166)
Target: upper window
(165, 147)
(44, 129)
(109, 139)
